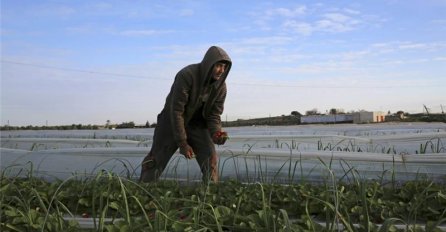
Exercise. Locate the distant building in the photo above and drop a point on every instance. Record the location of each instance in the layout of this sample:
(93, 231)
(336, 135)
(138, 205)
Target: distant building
(397, 117)
(368, 117)
(332, 118)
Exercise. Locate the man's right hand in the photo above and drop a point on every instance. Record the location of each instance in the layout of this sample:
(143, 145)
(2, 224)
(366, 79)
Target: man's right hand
(187, 151)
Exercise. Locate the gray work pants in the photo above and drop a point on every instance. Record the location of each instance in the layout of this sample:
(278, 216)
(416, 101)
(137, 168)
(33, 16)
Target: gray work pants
(164, 146)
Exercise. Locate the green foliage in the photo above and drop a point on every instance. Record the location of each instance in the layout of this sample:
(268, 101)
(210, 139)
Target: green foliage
(435, 145)
(121, 204)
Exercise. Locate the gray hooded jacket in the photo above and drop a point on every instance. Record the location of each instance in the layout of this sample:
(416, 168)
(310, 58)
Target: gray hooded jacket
(188, 90)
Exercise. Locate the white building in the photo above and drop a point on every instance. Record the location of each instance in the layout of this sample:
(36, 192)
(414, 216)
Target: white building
(368, 117)
(332, 118)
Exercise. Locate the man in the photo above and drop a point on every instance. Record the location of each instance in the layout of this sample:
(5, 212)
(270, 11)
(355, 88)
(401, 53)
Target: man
(190, 119)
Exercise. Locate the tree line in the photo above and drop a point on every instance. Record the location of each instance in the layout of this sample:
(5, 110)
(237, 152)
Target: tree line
(123, 125)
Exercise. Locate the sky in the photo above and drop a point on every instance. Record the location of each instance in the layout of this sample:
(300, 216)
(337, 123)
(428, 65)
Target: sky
(85, 62)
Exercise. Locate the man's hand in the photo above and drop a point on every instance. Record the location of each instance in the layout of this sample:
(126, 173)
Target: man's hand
(220, 137)
(187, 151)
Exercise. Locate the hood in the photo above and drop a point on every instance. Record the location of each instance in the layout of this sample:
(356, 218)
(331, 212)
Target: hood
(212, 56)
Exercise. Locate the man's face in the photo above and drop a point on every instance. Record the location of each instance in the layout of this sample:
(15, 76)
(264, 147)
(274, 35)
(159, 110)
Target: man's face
(219, 69)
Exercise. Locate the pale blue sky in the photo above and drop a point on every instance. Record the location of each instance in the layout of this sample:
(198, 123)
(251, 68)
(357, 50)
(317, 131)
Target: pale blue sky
(66, 62)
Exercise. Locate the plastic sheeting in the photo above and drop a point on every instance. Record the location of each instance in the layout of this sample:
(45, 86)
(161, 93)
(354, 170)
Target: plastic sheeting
(284, 154)
(265, 165)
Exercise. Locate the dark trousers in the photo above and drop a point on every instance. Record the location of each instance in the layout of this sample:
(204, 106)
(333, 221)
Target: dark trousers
(164, 146)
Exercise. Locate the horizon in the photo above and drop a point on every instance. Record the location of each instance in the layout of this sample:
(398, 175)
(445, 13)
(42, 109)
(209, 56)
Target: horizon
(223, 119)
(86, 62)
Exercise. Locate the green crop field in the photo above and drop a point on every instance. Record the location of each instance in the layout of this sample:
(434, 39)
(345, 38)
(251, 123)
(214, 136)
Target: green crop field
(112, 203)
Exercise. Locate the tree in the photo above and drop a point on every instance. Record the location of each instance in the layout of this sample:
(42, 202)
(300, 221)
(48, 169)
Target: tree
(296, 113)
(333, 111)
(126, 125)
(147, 124)
(336, 111)
(312, 112)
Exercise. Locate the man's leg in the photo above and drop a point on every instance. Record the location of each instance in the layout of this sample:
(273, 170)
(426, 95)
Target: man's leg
(201, 142)
(163, 147)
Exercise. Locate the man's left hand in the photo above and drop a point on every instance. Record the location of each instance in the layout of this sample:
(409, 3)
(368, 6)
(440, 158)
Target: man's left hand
(220, 137)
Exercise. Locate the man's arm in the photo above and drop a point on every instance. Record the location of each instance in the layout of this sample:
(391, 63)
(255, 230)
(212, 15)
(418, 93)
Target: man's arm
(179, 98)
(214, 118)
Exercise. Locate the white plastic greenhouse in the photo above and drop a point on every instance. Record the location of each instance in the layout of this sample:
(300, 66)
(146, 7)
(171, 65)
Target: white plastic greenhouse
(282, 155)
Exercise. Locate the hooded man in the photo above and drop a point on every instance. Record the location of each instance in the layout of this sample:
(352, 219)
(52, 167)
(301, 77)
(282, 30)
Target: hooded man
(190, 119)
